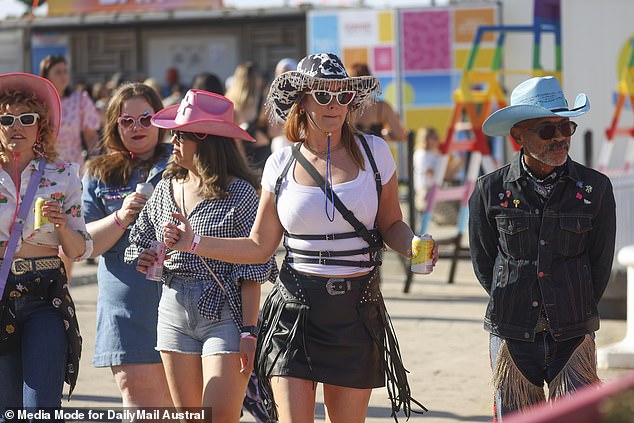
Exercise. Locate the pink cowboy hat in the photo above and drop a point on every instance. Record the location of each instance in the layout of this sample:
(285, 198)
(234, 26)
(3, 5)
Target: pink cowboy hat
(202, 112)
(40, 87)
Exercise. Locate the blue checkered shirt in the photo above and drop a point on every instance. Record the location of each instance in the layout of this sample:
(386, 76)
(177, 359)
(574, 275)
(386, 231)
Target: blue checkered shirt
(225, 218)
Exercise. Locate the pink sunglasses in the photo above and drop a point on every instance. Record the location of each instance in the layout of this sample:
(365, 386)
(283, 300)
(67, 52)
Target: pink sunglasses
(128, 122)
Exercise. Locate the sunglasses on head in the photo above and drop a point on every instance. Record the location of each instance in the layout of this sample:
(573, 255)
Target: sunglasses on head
(26, 119)
(325, 97)
(128, 122)
(547, 131)
(179, 135)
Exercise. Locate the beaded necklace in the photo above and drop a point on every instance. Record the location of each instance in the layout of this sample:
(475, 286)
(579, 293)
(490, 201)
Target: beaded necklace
(323, 153)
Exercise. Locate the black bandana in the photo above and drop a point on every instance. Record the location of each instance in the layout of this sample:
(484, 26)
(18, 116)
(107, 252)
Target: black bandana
(543, 187)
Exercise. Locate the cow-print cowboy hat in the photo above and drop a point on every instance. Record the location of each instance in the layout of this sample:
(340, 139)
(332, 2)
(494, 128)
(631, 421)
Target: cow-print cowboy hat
(323, 71)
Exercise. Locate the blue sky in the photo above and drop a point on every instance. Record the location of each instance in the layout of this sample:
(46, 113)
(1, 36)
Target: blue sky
(15, 8)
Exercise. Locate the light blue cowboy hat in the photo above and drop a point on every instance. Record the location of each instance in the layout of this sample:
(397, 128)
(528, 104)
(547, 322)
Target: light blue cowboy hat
(535, 98)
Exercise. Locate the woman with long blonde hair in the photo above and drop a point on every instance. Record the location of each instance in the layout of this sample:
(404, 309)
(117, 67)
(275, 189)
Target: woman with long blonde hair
(246, 91)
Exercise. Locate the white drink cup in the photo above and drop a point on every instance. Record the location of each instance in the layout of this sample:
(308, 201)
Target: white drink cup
(145, 188)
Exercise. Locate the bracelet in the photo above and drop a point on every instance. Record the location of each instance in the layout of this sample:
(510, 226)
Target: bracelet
(118, 222)
(245, 335)
(195, 243)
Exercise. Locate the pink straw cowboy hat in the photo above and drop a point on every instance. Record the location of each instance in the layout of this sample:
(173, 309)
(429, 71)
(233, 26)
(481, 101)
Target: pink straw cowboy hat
(41, 88)
(535, 98)
(201, 112)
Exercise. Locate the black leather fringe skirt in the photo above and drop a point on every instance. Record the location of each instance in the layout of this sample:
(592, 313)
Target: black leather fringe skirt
(330, 330)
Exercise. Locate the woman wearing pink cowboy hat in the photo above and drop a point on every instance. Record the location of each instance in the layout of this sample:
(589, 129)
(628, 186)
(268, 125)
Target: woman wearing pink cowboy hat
(208, 310)
(40, 344)
(333, 199)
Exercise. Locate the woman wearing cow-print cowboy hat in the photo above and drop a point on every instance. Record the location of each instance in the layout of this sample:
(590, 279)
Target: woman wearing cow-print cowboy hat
(325, 319)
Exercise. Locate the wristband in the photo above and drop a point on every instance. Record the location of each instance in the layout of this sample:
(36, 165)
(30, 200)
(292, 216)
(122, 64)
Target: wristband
(195, 243)
(249, 330)
(118, 222)
(245, 335)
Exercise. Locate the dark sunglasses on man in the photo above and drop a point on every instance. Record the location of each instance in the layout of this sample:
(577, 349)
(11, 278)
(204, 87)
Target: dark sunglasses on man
(548, 130)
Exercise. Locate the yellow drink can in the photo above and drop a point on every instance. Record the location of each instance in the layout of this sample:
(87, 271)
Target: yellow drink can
(422, 251)
(41, 222)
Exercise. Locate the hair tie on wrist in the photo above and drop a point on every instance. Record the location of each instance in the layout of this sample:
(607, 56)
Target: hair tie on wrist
(118, 222)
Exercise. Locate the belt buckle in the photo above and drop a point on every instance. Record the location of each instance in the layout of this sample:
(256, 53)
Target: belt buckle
(14, 268)
(337, 286)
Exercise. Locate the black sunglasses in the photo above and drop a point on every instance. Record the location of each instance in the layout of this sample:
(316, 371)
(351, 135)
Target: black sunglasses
(547, 131)
(26, 119)
(179, 135)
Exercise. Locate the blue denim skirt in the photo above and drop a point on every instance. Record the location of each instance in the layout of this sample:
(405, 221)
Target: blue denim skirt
(127, 313)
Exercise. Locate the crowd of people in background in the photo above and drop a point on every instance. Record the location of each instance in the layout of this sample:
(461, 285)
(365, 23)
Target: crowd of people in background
(247, 88)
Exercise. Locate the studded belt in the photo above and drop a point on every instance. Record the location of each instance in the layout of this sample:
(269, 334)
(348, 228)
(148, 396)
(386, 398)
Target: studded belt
(20, 266)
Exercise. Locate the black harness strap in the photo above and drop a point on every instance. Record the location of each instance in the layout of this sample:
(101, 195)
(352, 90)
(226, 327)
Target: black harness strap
(327, 189)
(366, 250)
(372, 237)
(375, 169)
(278, 183)
(325, 237)
(333, 262)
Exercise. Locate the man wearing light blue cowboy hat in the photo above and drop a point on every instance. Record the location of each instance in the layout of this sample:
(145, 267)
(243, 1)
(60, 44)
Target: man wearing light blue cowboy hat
(541, 232)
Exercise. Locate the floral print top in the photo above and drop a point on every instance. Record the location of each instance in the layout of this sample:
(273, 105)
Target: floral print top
(59, 181)
(78, 114)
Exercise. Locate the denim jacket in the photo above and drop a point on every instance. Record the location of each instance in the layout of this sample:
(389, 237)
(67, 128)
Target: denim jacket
(100, 199)
(530, 255)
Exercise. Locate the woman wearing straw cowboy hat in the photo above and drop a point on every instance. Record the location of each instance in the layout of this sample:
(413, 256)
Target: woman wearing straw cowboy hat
(209, 308)
(40, 344)
(325, 320)
(542, 232)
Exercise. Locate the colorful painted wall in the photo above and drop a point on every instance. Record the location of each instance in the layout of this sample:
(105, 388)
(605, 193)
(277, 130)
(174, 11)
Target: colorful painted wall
(418, 54)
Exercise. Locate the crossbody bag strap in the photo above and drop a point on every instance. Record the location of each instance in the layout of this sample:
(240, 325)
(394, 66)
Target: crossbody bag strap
(18, 224)
(375, 170)
(345, 212)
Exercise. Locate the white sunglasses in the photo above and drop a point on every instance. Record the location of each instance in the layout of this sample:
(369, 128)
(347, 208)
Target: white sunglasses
(26, 119)
(325, 97)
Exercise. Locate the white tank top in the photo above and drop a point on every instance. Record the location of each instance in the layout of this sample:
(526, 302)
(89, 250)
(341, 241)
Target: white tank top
(302, 208)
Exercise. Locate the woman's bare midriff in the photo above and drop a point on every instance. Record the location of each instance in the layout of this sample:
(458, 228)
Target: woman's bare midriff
(33, 251)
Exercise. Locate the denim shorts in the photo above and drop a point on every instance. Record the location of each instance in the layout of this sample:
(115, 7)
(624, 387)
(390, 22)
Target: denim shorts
(182, 329)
